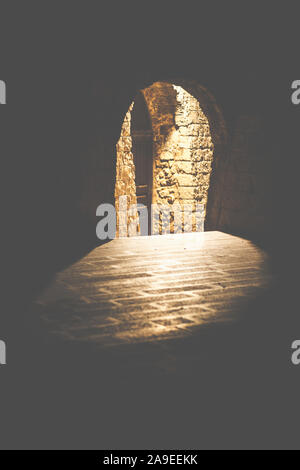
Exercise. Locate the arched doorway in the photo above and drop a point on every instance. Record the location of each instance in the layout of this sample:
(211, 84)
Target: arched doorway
(165, 155)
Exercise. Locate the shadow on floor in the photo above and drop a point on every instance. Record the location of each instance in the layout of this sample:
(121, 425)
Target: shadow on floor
(228, 385)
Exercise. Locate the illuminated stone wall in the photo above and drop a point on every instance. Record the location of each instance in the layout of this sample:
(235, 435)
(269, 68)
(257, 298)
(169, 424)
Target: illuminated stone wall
(182, 150)
(125, 176)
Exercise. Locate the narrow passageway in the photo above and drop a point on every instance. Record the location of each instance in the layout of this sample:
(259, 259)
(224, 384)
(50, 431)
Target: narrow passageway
(165, 155)
(155, 288)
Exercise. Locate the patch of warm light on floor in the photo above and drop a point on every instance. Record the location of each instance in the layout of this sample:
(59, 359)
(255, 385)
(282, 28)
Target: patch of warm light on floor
(163, 288)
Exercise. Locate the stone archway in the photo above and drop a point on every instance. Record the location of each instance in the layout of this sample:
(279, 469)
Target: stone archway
(189, 135)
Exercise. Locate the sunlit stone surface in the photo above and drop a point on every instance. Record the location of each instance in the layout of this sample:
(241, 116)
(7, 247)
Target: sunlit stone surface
(181, 155)
(157, 288)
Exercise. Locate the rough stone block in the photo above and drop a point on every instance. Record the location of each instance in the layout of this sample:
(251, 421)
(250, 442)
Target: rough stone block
(183, 154)
(186, 192)
(185, 167)
(186, 180)
(166, 156)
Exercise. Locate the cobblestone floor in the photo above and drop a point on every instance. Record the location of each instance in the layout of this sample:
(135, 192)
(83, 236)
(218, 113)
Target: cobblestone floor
(155, 288)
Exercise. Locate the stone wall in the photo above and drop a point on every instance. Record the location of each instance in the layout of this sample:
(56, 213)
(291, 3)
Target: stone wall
(125, 177)
(183, 148)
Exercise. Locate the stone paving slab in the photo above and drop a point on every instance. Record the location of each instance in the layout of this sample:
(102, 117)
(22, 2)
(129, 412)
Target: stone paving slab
(154, 288)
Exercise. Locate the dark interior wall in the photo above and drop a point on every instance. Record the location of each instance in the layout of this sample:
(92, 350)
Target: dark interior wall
(65, 114)
(246, 200)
